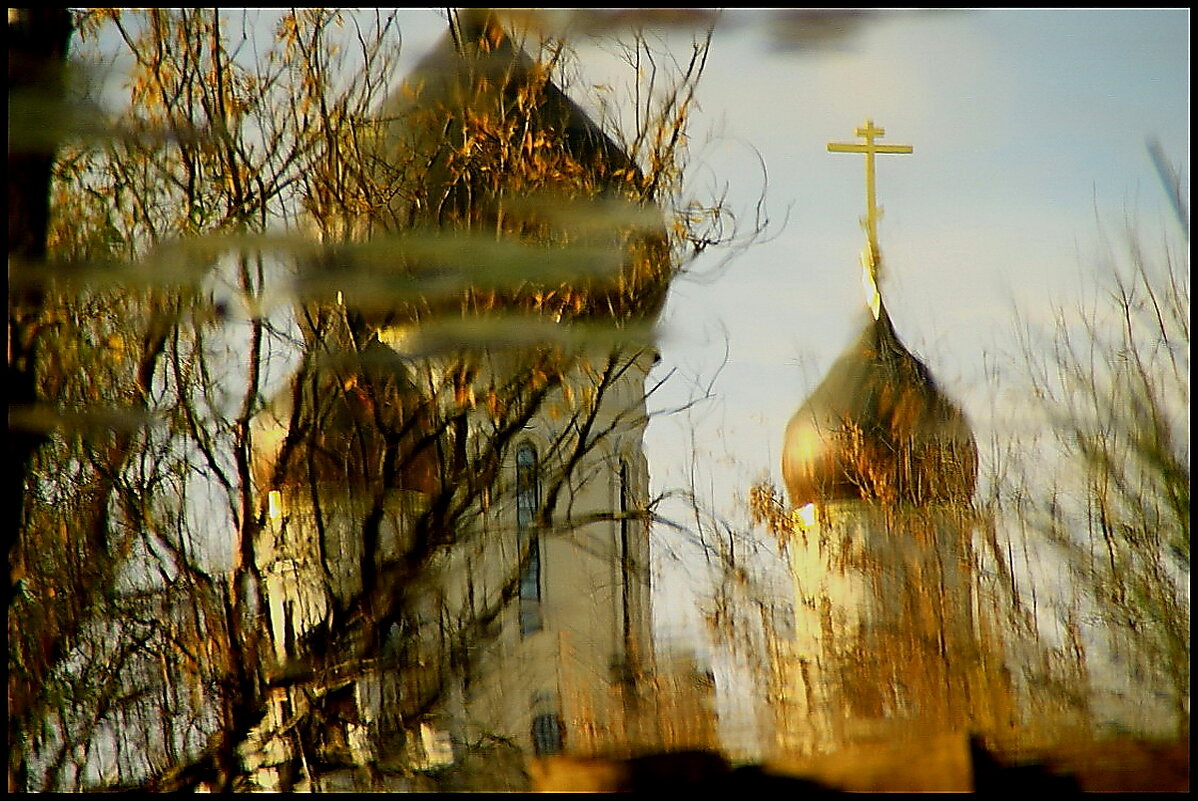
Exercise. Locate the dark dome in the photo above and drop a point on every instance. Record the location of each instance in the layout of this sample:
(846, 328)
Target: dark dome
(359, 423)
(878, 428)
(480, 73)
(480, 139)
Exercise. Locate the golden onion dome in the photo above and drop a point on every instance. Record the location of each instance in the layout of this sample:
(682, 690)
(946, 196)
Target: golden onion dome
(878, 428)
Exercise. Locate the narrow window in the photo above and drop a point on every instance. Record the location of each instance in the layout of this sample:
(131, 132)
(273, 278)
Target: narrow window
(626, 567)
(528, 492)
(548, 735)
(527, 486)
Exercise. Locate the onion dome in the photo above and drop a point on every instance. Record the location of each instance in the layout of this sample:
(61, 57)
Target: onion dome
(477, 84)
(878, 428)
(361, 423)
(479, 138)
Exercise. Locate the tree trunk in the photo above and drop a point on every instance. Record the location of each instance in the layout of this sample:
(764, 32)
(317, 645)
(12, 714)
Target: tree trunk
(37, 47)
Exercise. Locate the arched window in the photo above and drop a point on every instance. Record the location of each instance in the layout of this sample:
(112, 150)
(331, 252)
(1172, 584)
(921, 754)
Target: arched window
(528, 488)
(548, 735)
(626, 566)
(528, 499)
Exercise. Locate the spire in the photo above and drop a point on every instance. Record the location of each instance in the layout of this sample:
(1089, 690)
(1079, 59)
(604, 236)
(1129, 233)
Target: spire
(871, 257)
(877, 427)
(474, 28)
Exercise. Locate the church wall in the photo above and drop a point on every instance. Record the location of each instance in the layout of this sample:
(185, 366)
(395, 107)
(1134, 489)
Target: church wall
(571, 667)
(577, 667)
(886, 637)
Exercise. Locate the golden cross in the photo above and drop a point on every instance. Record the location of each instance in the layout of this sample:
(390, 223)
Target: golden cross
(872, 213)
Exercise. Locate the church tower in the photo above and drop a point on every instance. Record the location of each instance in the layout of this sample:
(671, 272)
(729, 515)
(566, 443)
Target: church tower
(478, 501)
(880, 468)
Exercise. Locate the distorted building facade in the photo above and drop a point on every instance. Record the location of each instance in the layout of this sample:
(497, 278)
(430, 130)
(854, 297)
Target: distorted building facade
(480, 503)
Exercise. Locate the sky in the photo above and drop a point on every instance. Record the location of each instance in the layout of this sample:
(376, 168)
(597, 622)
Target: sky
(1029, 130)
(1026, 128)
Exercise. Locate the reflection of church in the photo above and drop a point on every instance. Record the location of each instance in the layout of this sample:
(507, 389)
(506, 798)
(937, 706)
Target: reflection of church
(880, 468)
(465, 522)
(481, 508)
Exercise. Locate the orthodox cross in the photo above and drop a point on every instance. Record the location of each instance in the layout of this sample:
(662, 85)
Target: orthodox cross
(871, 147)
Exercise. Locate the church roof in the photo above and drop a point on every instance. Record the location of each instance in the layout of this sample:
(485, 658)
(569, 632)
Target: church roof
(878, 428)
(477, 69)
(479, 136)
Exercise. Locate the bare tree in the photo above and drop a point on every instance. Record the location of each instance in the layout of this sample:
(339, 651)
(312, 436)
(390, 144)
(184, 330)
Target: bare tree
(142, 649)
(1112, 379)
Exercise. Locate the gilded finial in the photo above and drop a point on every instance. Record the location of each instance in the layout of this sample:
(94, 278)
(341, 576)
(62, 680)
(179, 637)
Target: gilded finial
(871, 256)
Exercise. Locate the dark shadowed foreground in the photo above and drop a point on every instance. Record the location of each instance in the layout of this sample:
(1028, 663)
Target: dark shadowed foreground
(943, 763)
